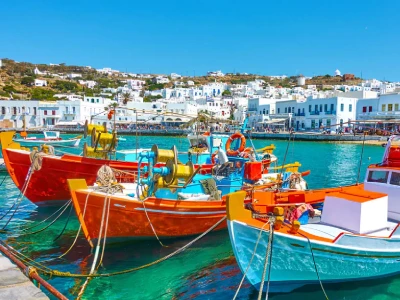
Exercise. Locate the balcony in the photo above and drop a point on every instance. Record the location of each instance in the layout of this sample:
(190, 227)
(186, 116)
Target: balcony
(330, 112)
(300, 114)
(314, 113)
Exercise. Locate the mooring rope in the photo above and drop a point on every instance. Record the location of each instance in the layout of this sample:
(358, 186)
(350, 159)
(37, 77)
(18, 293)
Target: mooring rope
(45, 270)
(315, 265)
(267, 255)
(250, 261)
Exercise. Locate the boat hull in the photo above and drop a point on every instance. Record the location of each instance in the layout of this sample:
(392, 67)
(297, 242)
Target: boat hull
(54, 143)
(127, 218)
(48, 186)
(292, 261)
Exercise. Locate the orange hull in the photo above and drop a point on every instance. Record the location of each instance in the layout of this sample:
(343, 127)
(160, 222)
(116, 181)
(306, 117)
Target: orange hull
(48, 186)
(127, 218)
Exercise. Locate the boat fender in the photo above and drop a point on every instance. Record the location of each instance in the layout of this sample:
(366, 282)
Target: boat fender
(278, 223)
(295, 227)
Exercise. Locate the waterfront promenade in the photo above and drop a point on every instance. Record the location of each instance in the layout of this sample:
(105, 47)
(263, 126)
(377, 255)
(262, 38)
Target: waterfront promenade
(299, 136)
(15, 285)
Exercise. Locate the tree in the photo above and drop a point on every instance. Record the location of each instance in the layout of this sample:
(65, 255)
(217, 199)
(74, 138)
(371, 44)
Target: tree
(9, 89)
(226, 93)
(126, 97)
(28, 81)
(42, 94)
(65, 86)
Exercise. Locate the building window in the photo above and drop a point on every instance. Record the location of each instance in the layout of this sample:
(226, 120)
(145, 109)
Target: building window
(73, 109)
(45, 112)
(369, 108)
(332, 107)
(341, 107)
(316, 107)
(313, 124)
(285, 110)
(53, 112)
(34, 111)
(309, 108)
(383, 107)
(279, 110)
(390, 107)
(350, 107)
(364, 109)
(3, 110)
(264, 111)
(341, 122)
(326, 107)
(320, 107)
(396, 107)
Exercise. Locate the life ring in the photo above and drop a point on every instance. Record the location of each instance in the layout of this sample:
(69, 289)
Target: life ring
(207, 133)
(213, 157)
(233, 137)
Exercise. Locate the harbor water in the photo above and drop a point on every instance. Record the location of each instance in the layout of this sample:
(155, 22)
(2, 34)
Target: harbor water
(208, 269)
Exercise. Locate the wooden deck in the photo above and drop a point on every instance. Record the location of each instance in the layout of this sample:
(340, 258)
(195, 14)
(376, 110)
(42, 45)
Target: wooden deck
(14, 285)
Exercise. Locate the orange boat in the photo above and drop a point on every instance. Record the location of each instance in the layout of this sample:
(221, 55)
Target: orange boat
(127, 216)
(170, 201)
(48, 185)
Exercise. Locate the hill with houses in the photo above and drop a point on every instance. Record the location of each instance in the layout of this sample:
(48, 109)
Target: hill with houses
(24, 80)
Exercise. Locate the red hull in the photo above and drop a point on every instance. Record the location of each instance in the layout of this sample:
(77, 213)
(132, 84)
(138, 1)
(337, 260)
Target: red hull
(49, 186)
(127, 219)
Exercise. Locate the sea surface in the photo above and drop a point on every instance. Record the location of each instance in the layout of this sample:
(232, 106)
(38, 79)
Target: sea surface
(208, 269)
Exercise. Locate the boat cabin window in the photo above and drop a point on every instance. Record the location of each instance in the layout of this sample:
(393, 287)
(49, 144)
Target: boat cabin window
(395, 178)
(378, 176)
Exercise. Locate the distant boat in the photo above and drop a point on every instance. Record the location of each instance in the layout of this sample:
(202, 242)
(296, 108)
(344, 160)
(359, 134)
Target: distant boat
(50, 138)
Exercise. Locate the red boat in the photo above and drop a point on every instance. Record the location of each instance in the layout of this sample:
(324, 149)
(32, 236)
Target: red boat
(48, 185)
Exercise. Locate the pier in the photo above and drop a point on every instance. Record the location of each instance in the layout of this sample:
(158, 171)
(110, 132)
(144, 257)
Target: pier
(14, 284)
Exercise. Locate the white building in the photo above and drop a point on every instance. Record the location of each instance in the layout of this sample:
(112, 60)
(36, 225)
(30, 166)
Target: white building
(47, 113)
(175, 76)
(40, 82)
(135, 84)
(386, 107)
(338, 73)
(160, 80)
(301, 80)
(215, 73)
(74, 75)
(89, 83)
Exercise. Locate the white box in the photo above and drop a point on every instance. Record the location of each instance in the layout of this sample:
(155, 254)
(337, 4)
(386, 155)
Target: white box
(355, 213)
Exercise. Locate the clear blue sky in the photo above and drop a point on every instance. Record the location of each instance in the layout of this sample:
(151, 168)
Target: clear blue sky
(264, 37)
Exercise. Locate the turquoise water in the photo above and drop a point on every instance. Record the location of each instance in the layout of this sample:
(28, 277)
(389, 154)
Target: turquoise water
(208, 269)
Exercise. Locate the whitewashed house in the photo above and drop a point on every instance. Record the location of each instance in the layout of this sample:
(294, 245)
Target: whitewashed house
(40, 82)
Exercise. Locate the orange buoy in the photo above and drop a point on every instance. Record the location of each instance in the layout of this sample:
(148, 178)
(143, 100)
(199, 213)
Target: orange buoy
(233, 137)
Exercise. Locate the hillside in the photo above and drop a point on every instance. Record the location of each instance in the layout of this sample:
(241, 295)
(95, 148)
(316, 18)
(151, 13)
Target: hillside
(17, 79)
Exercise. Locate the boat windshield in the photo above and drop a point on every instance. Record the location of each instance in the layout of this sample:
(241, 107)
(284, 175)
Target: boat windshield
(51, 134)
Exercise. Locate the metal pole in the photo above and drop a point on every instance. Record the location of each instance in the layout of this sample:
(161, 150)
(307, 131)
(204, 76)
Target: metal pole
(136, 135)
(359, 166)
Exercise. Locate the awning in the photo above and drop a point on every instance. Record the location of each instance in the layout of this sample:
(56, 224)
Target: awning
(274, 121)
(69, 123)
